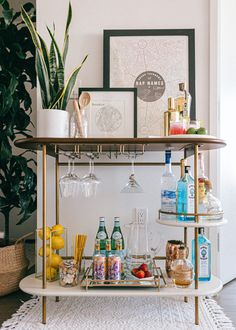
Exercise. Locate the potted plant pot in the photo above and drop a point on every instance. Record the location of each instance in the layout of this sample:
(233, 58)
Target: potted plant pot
(52, 123)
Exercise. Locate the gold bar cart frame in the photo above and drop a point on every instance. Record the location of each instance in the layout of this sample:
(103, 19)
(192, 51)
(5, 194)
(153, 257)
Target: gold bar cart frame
(44, 206)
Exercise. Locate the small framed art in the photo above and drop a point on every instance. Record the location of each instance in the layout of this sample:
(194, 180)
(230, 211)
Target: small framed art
(112, 112)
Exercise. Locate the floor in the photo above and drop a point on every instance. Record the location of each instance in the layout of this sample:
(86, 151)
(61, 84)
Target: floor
(226, 299)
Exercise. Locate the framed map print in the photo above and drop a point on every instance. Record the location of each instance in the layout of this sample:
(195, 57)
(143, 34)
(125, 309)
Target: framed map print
(155, 62)
(112, 112)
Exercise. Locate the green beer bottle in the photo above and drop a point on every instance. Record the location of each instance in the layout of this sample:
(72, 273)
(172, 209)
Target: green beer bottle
(116, 234)
(102, 234)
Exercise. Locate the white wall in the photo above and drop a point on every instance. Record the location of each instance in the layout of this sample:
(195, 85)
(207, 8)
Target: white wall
(227, 130)
(90, 18)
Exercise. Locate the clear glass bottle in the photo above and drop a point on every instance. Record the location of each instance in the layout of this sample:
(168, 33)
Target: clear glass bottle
(185, 196)
(120, 253)
(168, 188)
(204, 253)
(182, 271)
(116, 234)
(183, 104)
(137, 252)
(73, 129)
(211, 204)
(102, 234)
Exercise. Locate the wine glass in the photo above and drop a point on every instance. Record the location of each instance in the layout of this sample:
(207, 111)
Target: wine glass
(69, 183)
(155, 239)
(90, 182)
(132, 186)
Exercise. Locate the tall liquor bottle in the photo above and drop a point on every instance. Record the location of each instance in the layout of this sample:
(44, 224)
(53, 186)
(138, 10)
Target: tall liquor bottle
(185, 196)
(168, 187)
(183, 104)
(204, 253)
(102, 234)
(116, 234)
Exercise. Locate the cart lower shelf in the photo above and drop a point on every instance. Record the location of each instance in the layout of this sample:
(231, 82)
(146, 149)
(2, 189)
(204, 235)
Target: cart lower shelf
(32, 285)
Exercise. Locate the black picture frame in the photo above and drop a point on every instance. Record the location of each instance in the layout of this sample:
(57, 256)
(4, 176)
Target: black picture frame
(190, 33)
(106, 89)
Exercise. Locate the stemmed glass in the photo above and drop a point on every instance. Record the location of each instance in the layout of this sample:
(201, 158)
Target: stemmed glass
(69, 183)
(90, 182)
(132, 186)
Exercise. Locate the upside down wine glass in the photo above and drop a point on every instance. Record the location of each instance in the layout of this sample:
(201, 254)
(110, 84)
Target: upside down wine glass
(90, 182)
(132, 186)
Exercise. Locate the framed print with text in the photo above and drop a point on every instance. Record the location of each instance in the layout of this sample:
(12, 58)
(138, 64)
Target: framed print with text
(112, 112)
(155, 62)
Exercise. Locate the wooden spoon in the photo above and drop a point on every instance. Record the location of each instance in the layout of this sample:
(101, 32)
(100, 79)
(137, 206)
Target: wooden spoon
(84, 100)
(78, 117)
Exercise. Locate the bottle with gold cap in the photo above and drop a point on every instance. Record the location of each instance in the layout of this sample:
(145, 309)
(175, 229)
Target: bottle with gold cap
(183, 104)
(170, 116)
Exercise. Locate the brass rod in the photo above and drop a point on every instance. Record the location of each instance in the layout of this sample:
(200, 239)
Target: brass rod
(186, 244)
(44, 183)
(44, 165)
(196, 311)
(57, 188)
(196, 200)
(120, 164)
(44, 310)
(182, 165)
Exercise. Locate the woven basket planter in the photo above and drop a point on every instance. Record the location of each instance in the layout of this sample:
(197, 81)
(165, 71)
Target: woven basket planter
(13, 266)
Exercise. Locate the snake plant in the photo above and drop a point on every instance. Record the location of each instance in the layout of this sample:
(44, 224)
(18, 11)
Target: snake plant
(50, 65)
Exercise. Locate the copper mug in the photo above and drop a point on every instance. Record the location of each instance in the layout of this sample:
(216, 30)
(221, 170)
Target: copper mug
(172, 253)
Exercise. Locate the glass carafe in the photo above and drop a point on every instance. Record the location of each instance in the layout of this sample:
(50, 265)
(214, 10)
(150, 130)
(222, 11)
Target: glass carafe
(137, 252)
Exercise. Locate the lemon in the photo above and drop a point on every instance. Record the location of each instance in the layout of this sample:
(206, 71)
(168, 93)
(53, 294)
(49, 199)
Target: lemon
(48, 251)
(54, 261)
(57, 243)
(48, 232)
(58, 230)
(51, 273)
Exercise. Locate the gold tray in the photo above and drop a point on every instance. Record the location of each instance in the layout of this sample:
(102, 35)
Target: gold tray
(158, 281)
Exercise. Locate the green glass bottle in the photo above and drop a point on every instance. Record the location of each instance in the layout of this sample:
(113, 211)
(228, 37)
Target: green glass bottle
(102, 234)
(116, 234)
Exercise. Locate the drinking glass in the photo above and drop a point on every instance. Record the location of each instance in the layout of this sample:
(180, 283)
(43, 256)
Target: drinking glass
(90, 182)
(69, 183)
(132, 186)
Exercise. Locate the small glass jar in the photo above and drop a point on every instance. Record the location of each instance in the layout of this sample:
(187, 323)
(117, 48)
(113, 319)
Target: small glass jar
(182, 269)
(68, 272)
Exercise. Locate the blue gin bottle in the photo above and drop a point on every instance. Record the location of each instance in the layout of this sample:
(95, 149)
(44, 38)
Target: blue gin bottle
(204, 255)
(185, 196)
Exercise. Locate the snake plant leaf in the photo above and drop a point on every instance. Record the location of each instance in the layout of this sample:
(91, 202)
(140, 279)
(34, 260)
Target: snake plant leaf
(45, 53)
(52, 64)
(65, 49)
(66, 36)
(60, 68)
(43, 79)
(57, 100)
(4, 4)
(34, 35)
(70, 85)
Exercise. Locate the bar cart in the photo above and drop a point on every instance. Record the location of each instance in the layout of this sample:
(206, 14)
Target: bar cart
(189, 145)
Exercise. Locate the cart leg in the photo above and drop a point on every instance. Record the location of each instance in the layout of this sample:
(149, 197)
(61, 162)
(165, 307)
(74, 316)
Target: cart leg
(44, 310)
(197, 310)
(186, 244)
(44, 284)
(196, 232)
(57, 195)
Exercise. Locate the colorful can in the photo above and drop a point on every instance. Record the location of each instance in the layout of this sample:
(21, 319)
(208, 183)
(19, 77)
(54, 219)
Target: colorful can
(114, 268)
(99, 267)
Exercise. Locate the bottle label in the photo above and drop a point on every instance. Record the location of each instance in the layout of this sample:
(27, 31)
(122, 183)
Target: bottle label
(191, 194)
(101, 235)
(116, 235)
(168, 201)
(204, 261)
